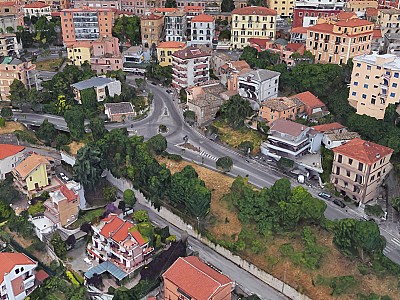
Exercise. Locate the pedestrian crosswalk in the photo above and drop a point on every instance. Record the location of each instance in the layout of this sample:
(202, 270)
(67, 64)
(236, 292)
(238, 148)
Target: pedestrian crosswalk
(205, 154)
(395, 244)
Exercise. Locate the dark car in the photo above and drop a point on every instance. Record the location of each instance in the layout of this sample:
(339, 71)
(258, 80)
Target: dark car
(154, 83)
(324, 196)
(339, 203)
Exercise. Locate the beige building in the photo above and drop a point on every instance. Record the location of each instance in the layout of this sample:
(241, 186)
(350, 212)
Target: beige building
(359, 168)
(282, 7)
(252, 22)
(337, 39)
(280, 108)
(389, 20)
(151, 29)
(120, 112)
(165, 51)
(375, 84)
(360, 5)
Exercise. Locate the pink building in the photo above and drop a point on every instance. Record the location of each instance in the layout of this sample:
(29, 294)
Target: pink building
(106, 55)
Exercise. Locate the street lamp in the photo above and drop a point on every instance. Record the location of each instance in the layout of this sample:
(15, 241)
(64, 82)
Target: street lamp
(198, 224)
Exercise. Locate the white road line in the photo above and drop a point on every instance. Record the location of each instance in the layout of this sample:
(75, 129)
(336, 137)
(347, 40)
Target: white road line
(396, 241)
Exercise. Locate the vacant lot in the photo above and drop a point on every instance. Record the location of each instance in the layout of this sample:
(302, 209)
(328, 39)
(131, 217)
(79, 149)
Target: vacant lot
(11, 126)
(49, 65)
(74, 147)
(224, 224)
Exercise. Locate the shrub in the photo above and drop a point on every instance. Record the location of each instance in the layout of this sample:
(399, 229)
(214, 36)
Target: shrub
(37, 208)
(2, 122)
(170, 239)
(72, 278)
(245, 146)
(111, 290)
(342, 284)
(224, 164)
(140, 216)
(374, 210)
(286, 250)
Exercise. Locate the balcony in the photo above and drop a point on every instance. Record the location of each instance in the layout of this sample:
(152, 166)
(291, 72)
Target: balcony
(201, 66)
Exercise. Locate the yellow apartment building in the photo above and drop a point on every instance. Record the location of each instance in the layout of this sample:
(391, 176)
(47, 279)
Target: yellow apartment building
(252, 22)
(282, 7)
(79, 52)
(375, 84)
(165, 51)
(389, 20)
(337, 39)
(360, 5)
(31, 173)
(151, 29)
(359, 168)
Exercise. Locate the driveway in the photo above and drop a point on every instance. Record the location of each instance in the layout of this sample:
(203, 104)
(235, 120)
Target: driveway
(76, 258)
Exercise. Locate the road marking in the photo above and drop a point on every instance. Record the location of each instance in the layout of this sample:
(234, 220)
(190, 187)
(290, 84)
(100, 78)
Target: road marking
(396, 241)
(205, 154)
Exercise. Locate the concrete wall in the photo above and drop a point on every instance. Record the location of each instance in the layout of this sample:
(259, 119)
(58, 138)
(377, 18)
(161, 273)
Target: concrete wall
(164, 213)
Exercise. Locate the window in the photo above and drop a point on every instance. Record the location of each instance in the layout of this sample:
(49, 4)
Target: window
(396, 75)
(354, 93)
(358, 65)
(392, 95)
(348, 173)
(340, 158)
(360, 166)
(365, 86)
(364, 96)
(355, 83)
(372, 178)
(394, 84)
(350, 161)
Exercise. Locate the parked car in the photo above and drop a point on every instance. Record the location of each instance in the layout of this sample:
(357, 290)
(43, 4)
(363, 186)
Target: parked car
(324, 196)
(169, 92)
(339, 203)
(153, 83)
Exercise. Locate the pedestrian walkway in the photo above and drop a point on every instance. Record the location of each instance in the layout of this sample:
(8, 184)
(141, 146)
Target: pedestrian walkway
(392, 247)
(205, 154)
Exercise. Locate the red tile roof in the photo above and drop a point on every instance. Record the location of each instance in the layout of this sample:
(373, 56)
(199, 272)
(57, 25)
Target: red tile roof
(138, 237)
(10, 260)
(172, 44)
(294, 47)
(4, 4)
(254, 10)
(151, 17)
(261, 43)
(203, 18)
(189, 274)
(69, 194)
(371, 12)
(113, 223)
(354, 23)
(190, 52)
(288, 127)
(7, 150)
(377, 34)
(323, 27)
(17, 285)
(343, 15)
(37, 4)
(363, 151)
(122, 233)
(309, 99)
(194, 8)
(41, 276)
(327, 127)
(299, 30)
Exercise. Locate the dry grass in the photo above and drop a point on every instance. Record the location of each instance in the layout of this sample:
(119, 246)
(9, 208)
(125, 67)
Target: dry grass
(233, 137)
(11, 126)
(333, 262)
(49, 65)
(74, 147)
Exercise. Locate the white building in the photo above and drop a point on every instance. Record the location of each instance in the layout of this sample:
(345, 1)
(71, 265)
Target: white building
(335, 134)
(133, 55)
(10, 155)
(190, 67)
(17, 276)
(37, 9)
(100, 85)
(9, 45)
(259, 85)
(202, 30)
(175, 26)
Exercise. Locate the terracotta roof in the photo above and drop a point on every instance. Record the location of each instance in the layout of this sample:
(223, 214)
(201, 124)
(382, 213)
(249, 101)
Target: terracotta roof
(294, 46)
(203, 18)
(196, 8)
(37, 4)
(190, 52)
(354, 23)
(280, 104)
(262, 43)
(55, 13)
(189, 273)
(7, 150)
(17, 285)
(344, 15)
(29, 164)
(122, 233)
(328, 127)
(2, 4)
(41, 276)
(138, 237)
(69, 194)
(164, 9)
(80, 44)
(309, 99)
(363, 151)
(10, 260)
(254, 10)
(288, 127)
(151, 17)
(111, 226)
(377, 34)
(299, 30)
(371, 12)
(172, 44)
(323, 27)
(240, 65)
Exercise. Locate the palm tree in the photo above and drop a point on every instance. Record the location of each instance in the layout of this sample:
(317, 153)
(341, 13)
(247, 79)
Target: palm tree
(88, 166)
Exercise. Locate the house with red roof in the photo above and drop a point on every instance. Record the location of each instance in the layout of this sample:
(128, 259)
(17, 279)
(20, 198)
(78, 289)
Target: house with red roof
(312, 105)
(190, 278)
(17, 276)
(10, 155)
(119, 243)
(37, 9)
(202, 29)
(359, 168)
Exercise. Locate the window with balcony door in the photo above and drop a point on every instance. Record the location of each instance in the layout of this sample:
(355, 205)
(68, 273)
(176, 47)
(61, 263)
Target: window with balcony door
(360, 166)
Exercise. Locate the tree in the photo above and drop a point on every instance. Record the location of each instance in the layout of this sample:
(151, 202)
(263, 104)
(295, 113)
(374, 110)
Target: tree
(235, 111)
(110, 193)
(225, 34)
(45, 31)
(280, 191)
(6, 112)
(97, 128)
(75, 119)
(367, 237)
(170, 4)
(396, 203)
(129, 198)
(198, 200)
(157, 144)
(227, 5)
(182, 95)
(59, 245)
(127, 29)
(246, 147)
(8, 193)
(18, 92)
(224, 164)
(61, 140)
(70, 242)
(47, 132)
(2, 122)
(140, 216)
(88, 166)
(189, 116)
(89, 101)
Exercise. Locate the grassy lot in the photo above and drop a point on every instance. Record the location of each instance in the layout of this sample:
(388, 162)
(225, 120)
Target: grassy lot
(223, 225)
(233, 137)
(75, 146)
(49, 65)
(86, 217)
(11, 127)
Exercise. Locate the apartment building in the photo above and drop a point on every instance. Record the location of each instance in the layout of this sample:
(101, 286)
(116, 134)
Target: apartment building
(106, 55)
(283, 8)
(280, 108)
(359, 168)
(191, 12)
(17, 276)
(360, 5)
(259, 85)
(100, 85)
(120, 243)
(9, 45)
(202, 30)
(336, 40)
(37, 9)
(86, 24)
(175, 26)
(391, 43)
(151, 27)
(252, 22)
(10, 155)
(57, 5)
(114, 4)
(307, 12)
(389, 4)
(179, 281)
(11, 69)
(375, 83)
(298, 35)
(11, 15)
(190, 67)
(79, 52)
(389, 20)
(165, 51)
